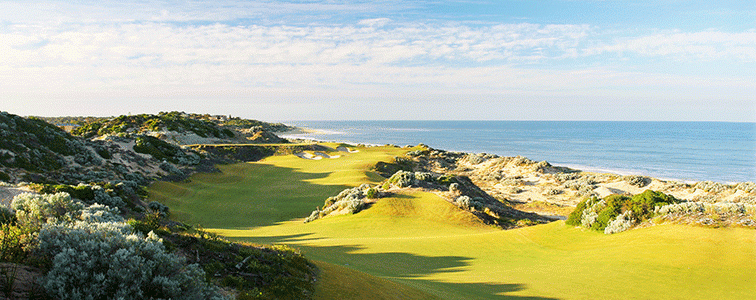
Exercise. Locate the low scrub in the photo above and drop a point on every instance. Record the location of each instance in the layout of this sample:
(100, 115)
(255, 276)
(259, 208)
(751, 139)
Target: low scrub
(161, 150)
(350, 200)
(108, 261)
(254, 271)
(618, 213)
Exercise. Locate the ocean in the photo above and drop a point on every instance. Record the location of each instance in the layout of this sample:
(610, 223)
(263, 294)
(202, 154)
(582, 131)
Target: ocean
(685, 151)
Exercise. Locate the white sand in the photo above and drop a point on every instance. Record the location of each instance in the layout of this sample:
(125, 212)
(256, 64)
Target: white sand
(345, 149)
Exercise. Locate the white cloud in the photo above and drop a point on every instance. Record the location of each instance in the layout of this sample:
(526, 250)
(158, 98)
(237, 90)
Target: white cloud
(708, 45)
(359, 60)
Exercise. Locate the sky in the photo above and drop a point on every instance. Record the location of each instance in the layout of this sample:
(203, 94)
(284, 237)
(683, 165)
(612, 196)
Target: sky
(382, 60)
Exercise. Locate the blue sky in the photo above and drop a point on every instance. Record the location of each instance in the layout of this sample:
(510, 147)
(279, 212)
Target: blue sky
(331, 60)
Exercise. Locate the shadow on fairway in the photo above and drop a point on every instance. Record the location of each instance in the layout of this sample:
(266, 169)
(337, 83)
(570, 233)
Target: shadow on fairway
(244, 196)
(405, 268)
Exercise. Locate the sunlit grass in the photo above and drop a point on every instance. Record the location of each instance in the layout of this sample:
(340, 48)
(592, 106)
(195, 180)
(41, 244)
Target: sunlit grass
(422, 241)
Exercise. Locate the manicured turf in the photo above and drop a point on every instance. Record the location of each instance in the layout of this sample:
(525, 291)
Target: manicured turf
(427, 244)
(337, 282)
(276, 189)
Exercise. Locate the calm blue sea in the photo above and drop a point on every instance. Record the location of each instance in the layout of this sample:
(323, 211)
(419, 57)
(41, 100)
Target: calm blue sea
(688, 151)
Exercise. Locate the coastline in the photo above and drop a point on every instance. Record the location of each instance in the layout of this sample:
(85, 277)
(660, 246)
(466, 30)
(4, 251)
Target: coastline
(676, 152)
(546, 189)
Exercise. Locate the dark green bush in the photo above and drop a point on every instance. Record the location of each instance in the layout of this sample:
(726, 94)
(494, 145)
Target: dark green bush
(150, 222)
(7, 216)
(158, 149)
(643, 204)
(372, 193)
(13, 243)
(576, 215)
(4, 177)
(606, 210)
(446, 179)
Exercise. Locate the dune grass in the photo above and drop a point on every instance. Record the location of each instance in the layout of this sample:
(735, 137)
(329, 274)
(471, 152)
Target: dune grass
(428, 245)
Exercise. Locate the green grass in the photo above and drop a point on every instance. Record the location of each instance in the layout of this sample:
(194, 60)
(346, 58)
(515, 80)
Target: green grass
(338, 282)
(429, 246)
(279, 188)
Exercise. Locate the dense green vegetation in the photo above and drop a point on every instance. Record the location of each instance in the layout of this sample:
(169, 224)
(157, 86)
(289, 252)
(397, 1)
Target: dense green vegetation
(617, 212)
(33, 144)
(170, 121)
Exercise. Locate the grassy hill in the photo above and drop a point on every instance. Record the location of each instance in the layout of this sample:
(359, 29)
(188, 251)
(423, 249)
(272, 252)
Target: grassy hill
(433, 249)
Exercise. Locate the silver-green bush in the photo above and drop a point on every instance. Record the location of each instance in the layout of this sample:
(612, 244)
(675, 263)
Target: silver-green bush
(623, 222)
(34, 210)
(710, 186)
(107, 261)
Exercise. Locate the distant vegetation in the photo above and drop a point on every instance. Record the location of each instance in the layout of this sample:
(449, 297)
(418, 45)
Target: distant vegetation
(201, 125)
(618, 213)
(171, 121)
(33, 144)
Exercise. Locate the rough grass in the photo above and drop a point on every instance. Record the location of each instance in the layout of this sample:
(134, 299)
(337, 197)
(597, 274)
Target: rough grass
(423, 242)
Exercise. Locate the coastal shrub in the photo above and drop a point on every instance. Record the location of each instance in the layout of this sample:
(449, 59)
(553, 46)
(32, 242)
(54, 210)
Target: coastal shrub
(423, 176)
(4, 177)
(514, 190)
(512, 181)
(82, 191)
(710, 186)
(7, 216)
(107, 261)
(612, 208)
(87, 157)
(14, 241)
(623, 222)
(618, 211)
(371, 193)
(541, 166)
(748, 187)
(563, 177)
(34, 210)
(150, 222)
(576, 215)
(401, 179)
(446, 179)
(520, 161)
(704, 207)
(159, 208)
(644, 204)
(352, 199)
(102, 196)
(170, 168)
(454, 187)
(98, 213)
(158, 149)
(586, 191)
(467, 203)
(585, 182)
(552, 191)
(280, 272)
(477, 158)
(639, 181)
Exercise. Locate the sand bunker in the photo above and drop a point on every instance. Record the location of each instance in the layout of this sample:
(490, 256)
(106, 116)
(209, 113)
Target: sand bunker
(306, 155)
(345, 149)
(316, 156)
(324, 155)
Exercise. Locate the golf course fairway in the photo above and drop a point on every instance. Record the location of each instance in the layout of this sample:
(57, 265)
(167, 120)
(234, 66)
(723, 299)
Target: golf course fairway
(415, 245)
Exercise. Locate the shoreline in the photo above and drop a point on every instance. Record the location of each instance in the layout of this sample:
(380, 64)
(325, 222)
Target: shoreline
(296, 134)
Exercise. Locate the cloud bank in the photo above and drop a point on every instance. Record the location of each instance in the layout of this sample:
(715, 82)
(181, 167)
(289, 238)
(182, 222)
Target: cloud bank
(163, 55)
